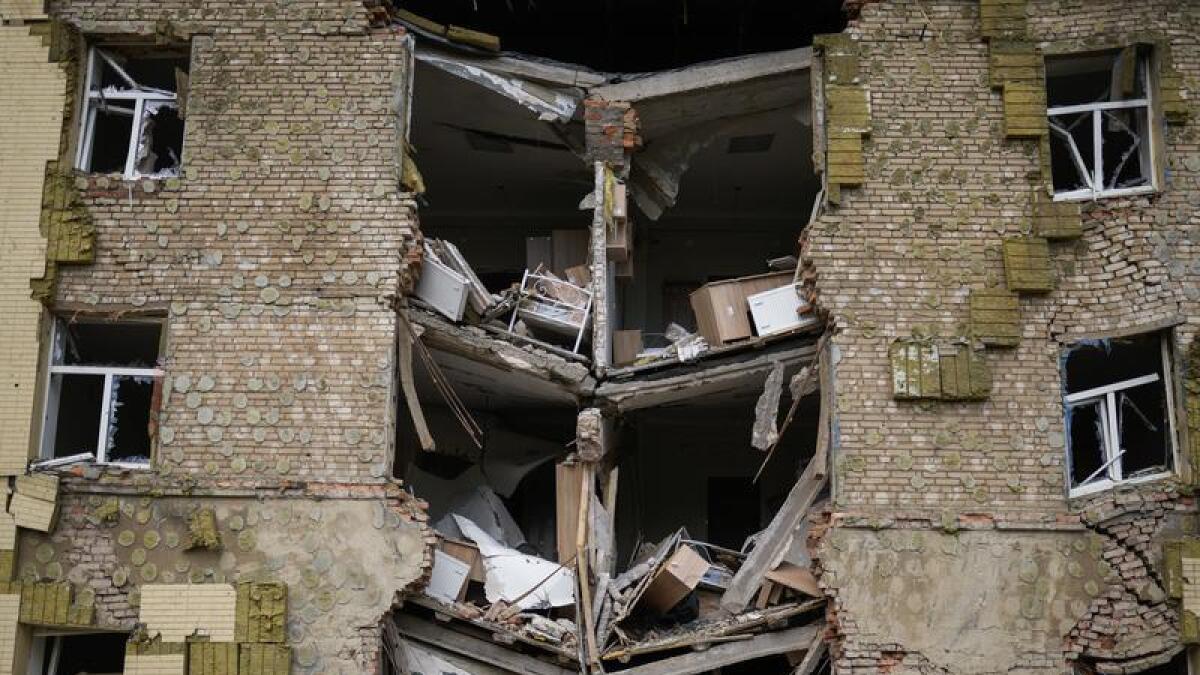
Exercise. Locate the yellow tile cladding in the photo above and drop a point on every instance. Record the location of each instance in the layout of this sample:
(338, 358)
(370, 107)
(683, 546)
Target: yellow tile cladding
(31, 109)
(10, 605)
(177, 611)
(21, 9)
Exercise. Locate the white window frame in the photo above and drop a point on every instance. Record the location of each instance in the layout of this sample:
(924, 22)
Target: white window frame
(1096, 176)
(96, 98)
(51, 397)
(1111, 469)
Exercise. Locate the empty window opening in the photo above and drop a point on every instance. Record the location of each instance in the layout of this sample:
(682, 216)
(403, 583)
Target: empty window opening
(102, 390)
(75, 653)
(666, 34)
(1118, 407)
(1100, 118)
(131, 122)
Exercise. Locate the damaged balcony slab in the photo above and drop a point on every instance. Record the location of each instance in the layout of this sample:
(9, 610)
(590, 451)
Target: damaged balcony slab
(712, 632)
(738, 375)
(767, 644)
(497, 367)
(430, 632)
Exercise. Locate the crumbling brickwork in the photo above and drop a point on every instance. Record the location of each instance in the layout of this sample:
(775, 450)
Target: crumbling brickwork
(902, 256)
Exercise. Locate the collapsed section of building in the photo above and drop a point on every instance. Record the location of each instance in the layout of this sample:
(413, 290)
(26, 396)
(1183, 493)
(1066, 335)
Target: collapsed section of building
(648, 338)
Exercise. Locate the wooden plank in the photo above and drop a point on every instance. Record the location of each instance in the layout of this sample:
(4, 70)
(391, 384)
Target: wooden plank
(465, 645)
(796, 578)
(568, 479)
(731, 653)
(774, 541)
(404, 354)
(812, 658)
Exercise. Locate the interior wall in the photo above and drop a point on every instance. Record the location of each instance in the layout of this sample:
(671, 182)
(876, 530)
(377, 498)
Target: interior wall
(667, 457)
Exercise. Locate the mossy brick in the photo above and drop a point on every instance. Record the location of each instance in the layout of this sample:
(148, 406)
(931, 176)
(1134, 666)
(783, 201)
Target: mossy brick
(1014, 62)
(1025, 110)
(65, 220)
(1003, 19)
(1056, 220)
(1171, 87)
(212, 658)
(264, 659)
(836, 44)
(6, 565)
(840, 68)
(1027, 265)
(995, 317)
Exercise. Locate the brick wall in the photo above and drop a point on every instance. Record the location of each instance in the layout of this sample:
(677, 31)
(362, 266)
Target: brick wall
(275, 256)
(899, 256)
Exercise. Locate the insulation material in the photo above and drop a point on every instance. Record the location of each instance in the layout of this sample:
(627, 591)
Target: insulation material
(261, 612)
(1027, 265)
(155, 664)
(550, 105)
(483, 509)
(1056, 220)
(1025, 110)
(995, 317)
(32, 513)
(264, 659)
(516, 578)
(177, 611)
(212, 658)
(1014, 62)
(40, 486)
(8, 532)
(1004, 19)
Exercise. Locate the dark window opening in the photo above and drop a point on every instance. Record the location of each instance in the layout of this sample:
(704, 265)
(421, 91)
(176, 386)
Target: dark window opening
(131, 122)
(1118, 411)
(1100, 96)
(102, 392)
(83, 653)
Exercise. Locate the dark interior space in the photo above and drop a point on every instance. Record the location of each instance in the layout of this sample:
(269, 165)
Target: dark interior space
(110, 139)
(149, 65)
(130, 344)
(131, 420)
(88, 653)
(636, 35)
(164, 129)
(77, 425)
(1101, 362)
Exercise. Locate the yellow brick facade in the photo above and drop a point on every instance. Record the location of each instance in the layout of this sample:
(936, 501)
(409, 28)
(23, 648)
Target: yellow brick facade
(21, 9)
(177, 611)
(31, 109)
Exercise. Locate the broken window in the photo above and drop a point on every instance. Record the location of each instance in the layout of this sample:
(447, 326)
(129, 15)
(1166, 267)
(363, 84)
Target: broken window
(102, 388)
(1100, 116)
(132, 122)
(1118, 412)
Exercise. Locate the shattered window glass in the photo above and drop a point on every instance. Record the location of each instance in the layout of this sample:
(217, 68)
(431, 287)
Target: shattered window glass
(1118, 411)
(132, 121)
(1099, 121)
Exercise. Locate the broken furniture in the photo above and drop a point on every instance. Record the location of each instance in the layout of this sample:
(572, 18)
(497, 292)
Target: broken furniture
(553, 305)
(723, 311)
(448, 283)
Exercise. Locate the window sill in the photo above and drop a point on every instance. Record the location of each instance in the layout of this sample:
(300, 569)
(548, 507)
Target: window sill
(1090, 196)
(1101, 486)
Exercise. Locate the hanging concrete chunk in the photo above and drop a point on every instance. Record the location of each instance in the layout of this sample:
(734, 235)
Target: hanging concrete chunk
(995, 318)
(1027, 265)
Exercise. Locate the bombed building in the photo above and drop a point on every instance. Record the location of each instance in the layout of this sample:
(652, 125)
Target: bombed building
(657, 338)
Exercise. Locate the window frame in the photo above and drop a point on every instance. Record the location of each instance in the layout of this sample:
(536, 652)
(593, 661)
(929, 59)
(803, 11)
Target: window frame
(50, 398)
(1096, 110)
(1106, 395)
(95, 98)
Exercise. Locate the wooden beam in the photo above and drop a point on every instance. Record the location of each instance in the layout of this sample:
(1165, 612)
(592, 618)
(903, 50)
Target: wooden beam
(766, 644)
(812, 658)
(480, 650)
(404, 355)
(774, 541)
